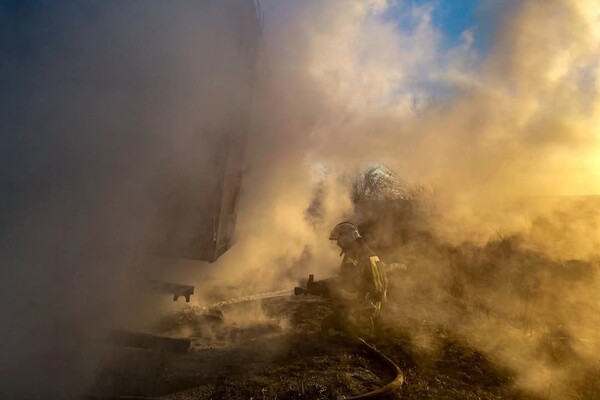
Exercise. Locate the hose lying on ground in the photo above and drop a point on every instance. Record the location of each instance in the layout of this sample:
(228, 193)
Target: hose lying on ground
(390, 387)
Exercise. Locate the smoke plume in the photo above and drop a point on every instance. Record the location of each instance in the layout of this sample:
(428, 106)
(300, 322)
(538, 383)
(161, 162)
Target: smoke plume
(505, 139)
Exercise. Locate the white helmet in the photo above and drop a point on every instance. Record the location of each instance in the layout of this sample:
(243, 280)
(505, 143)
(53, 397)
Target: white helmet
(345, 233)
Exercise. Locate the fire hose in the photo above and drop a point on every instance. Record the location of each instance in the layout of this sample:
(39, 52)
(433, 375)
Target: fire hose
(320, 288)
(391, 386)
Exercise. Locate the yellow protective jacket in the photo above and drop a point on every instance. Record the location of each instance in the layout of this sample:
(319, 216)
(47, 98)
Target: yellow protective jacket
(362, 277)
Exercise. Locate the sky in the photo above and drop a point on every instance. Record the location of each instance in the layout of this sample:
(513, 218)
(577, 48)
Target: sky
(451, 17)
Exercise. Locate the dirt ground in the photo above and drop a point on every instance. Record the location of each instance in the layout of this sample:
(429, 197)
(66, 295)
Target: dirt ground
(284, 356)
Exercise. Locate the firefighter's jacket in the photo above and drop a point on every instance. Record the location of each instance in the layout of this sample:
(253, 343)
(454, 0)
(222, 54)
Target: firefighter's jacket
(362, 278)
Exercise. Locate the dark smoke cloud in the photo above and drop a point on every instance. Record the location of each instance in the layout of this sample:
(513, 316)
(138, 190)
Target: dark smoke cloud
(106, 107)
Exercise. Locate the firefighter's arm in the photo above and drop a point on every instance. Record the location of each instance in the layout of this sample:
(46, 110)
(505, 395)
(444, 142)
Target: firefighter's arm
(375, 281)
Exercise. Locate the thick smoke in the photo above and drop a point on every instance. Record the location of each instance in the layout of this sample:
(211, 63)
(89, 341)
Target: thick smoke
(506, 140)
(343, 85)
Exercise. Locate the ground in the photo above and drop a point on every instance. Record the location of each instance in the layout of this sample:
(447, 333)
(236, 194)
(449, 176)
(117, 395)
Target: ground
(282, 355)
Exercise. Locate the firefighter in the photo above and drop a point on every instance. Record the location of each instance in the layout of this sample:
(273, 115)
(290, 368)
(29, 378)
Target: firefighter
(360, 289)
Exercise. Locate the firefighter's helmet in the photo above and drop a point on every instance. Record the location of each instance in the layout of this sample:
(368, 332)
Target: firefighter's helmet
(344, 233)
